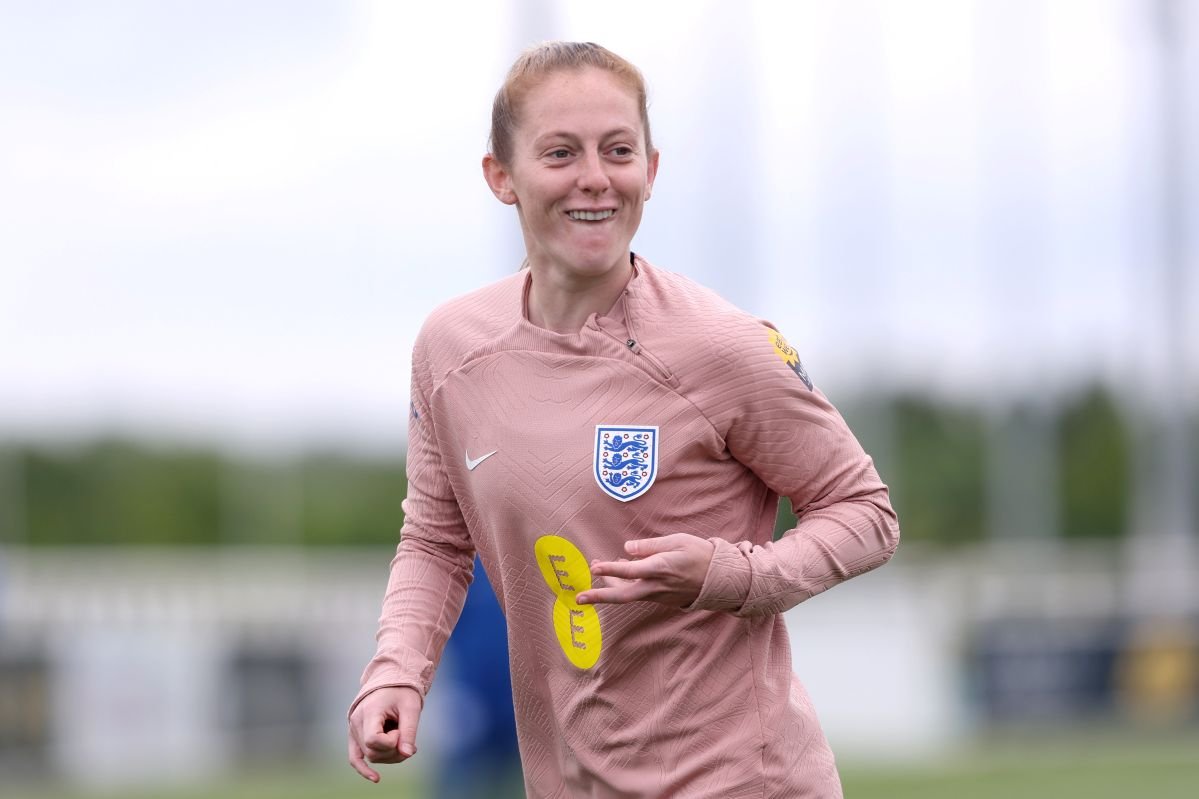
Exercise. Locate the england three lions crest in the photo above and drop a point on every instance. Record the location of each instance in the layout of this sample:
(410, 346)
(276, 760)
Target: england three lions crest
(626, 459)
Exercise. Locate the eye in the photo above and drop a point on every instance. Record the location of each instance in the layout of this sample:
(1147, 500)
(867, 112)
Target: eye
(622, 151)
(559, 154)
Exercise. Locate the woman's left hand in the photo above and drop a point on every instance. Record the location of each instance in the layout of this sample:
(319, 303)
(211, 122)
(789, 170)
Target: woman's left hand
(669, 569)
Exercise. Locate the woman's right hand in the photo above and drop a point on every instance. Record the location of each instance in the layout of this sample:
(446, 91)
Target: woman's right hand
(383, 728)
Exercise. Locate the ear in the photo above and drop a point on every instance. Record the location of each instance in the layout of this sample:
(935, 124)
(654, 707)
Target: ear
(498, 180)
(651, 172)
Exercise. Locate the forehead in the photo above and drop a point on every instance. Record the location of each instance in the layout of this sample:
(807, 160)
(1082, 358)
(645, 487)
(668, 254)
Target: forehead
(579, 101)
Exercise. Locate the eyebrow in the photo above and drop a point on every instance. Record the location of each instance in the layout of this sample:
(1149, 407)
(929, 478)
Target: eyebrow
(545, 138)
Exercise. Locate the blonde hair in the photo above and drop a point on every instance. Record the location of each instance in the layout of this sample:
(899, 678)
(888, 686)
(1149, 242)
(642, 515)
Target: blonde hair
(540, 61)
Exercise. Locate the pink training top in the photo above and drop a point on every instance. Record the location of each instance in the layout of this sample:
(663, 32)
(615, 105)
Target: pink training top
(674, 412)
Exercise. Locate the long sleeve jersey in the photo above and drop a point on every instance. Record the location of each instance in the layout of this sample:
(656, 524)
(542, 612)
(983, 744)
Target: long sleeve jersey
(674, 412)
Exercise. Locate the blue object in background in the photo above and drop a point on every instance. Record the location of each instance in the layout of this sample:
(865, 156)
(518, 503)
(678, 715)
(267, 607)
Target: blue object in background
(479, 755)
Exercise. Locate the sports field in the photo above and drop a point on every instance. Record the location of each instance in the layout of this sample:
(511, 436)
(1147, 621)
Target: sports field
(1096, 766)
(1099, 767)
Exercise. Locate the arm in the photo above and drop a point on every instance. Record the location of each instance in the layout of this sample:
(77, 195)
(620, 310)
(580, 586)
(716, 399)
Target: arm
(427, 586)
(791, 437)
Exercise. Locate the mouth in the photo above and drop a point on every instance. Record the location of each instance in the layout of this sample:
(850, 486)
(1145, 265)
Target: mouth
(591, 216)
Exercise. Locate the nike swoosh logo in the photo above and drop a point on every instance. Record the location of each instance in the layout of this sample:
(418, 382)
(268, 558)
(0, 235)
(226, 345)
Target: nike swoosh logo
(471, 464)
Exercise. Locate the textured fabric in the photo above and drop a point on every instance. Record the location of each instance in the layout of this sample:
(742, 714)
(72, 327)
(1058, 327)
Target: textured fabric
(636, 700)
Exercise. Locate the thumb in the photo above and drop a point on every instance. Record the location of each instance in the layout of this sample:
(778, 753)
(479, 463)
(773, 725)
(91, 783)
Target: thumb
(407, 730)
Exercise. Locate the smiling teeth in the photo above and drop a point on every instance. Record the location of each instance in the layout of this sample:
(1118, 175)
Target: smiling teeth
(590, 216)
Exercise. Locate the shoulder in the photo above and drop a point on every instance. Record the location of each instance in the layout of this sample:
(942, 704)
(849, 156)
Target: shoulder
(659, 291)
(701, 334)
(462, 324)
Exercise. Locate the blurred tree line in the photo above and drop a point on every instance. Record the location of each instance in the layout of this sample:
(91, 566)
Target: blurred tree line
(136, 493)
(940, 483)
(120, 492)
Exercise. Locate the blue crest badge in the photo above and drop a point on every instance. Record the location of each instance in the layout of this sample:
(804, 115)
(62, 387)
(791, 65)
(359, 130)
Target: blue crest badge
(626, 459)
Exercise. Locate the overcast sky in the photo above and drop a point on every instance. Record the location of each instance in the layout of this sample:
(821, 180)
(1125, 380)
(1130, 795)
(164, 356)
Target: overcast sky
(229, 219)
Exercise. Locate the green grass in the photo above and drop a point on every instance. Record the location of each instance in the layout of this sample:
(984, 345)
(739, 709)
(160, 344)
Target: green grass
(1099, 765)
(1096, 766)
(1092, 781)
(301, 782)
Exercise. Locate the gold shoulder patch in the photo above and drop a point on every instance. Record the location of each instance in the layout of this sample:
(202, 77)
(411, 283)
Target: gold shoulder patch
(789, 356)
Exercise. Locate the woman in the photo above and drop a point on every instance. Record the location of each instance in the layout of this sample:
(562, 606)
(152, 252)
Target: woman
(613, 439)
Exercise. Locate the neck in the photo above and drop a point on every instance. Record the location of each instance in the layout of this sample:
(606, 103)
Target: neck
(563, 303)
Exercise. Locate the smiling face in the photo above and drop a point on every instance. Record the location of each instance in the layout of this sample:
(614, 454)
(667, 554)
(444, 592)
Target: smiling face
(579, 174)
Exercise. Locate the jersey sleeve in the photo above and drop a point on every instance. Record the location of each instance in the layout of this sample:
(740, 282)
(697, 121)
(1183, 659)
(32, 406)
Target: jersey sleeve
(434, 562)
(787, 432)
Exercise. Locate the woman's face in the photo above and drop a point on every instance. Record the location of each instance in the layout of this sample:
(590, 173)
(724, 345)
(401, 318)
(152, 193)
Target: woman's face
(579, 175)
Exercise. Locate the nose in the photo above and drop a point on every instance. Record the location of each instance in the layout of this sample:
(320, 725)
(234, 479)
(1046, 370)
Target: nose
(593, 177)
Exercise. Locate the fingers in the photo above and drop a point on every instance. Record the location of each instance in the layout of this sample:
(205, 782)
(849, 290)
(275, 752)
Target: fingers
(627, 569)
(379, 742)
(359, 762)
(669, 569)
(625, 581)
(643, 547)
(394, 742)
(633, 591)
(383, 729)
(658, 557)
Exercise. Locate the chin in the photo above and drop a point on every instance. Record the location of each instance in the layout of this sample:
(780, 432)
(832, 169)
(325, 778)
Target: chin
(597, 265)
(601, 258)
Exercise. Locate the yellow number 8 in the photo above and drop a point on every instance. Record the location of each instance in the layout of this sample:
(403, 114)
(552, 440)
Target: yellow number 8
(566, 573)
